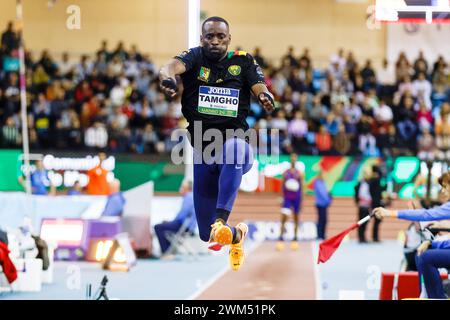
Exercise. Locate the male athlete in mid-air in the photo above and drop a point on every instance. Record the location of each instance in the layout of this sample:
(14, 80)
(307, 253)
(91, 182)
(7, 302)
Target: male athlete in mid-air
(217, 86)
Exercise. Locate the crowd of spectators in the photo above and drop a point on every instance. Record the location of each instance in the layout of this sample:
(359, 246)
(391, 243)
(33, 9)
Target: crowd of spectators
(112, 102)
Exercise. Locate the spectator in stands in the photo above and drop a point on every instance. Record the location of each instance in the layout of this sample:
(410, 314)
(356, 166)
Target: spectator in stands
(305, 59)
(331, 123)
(98, 184)
(76, 189)
(297, 130)
(11, 137)
(259, 58)
(323, 141)
(120, 51)
(442, 128)
(421, 88)
(426, 146)
(367, 144)
(340, 59)
(323, 201)
(386, 75)
(383, 116)
(100, 91)
(342, 141)
(83, 68)
(96, 136)
(185, 217)
(10, 39)
(279, 83)
(290, 57)
(280, 123)
(420, 64)
(368, 74)
(424, 117)
(104, 50)
(65, 66)
(402, 67)
(115, 202)
(388, 142)
(11, 94)
(407, 125)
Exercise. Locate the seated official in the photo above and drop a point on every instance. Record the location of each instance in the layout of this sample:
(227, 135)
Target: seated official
(431, 255)
(186, 212)
(116, 201)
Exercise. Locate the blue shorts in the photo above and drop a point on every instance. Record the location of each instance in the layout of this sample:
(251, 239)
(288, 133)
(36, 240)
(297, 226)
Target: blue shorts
(293, 204)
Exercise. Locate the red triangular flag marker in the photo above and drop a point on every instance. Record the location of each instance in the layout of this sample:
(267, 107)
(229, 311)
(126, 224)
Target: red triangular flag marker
(329, 246)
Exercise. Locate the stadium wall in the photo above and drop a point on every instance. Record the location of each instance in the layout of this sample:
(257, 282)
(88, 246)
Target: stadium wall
(158, 26)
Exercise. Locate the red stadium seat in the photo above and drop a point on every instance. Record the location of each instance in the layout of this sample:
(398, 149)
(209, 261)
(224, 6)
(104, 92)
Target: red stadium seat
(407, 286)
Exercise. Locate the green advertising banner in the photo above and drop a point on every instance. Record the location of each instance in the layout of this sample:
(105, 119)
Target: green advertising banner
(341, 173)
(9, 170)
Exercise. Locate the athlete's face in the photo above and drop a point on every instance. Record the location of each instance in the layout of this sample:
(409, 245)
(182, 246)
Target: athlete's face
(215, 39)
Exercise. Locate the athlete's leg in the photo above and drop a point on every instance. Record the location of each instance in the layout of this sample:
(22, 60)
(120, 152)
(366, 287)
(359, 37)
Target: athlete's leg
(285, 212)
(205, 198)
(284, 218)
(237, 160)
(296, 214)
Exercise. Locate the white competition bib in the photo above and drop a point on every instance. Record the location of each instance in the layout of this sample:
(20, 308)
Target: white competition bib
(218, 101)
(292, 185)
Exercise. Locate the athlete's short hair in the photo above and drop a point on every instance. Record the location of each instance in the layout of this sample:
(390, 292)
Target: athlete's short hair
(216, 19)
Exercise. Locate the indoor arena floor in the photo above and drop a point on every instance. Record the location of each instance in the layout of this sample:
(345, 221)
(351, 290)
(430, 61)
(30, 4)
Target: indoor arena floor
(353, 272)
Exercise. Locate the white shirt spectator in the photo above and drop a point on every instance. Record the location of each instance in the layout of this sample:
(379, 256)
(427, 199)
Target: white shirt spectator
(279, 83)
(132, 68)
(117, 95)
(422, 89)
(279, 123)
(421, 86)
(405, 86)
(386, 76)
(353, 112)
(384, 113)
(161, 106)
(116, 67)
(298, 127)
(118, 120)
(83, 70)
(65, 67)
(96, 136)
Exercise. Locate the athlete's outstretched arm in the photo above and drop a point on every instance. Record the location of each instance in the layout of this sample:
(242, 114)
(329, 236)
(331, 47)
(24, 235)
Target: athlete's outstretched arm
(167, 76)
(265, 98)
